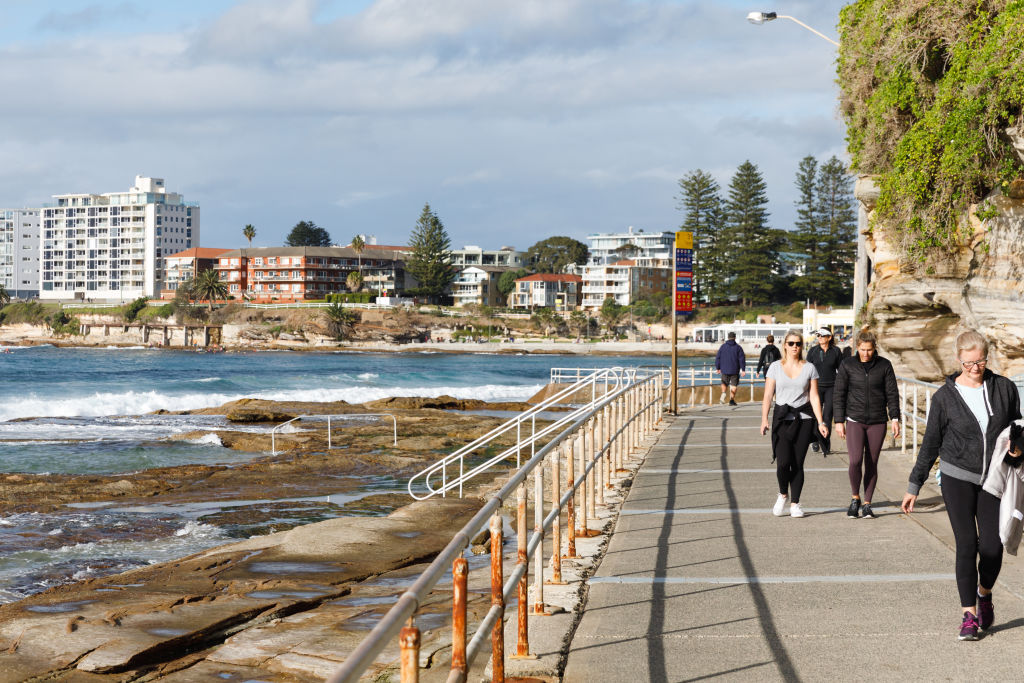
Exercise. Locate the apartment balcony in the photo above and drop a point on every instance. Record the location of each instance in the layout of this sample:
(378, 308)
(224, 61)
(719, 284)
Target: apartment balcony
(605, 277)
(605, 290)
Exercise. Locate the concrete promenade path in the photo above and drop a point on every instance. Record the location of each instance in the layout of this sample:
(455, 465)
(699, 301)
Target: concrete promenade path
(701, 582)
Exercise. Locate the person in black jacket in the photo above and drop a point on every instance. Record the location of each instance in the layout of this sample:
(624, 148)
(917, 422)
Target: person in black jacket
(967, 415)
(769, 354)
(826, 357)
(865, 395)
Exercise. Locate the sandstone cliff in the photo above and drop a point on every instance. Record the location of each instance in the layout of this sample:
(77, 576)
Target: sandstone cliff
(918, 312)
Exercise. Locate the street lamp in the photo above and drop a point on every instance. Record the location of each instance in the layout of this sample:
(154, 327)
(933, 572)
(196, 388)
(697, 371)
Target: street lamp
(759, 18)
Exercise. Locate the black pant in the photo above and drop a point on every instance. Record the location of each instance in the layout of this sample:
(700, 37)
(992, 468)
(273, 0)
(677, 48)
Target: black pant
(790, 453)
(825, 394)
(974, 516)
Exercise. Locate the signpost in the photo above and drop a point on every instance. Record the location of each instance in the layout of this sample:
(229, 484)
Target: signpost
(683, 278)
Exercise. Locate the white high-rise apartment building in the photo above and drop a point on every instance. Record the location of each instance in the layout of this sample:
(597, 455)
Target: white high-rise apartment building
(626, 265)
(112, 246)
(19, 252)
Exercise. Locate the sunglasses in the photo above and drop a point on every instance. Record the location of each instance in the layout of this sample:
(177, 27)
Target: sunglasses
(796, 343)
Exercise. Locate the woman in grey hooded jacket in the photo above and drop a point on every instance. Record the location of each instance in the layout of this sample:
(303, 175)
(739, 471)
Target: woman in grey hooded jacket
(967, 415)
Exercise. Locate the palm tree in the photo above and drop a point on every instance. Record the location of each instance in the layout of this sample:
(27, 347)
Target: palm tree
(358, 244)
(354, 281)
(249, 231)
(340, 320)
(208, 285)
(5, 296)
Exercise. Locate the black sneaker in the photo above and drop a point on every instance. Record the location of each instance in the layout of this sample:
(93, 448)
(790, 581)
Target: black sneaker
(866, 512)
(815, 447)
(851, 512)
(986, 613)
(968, 627)
(732, 402)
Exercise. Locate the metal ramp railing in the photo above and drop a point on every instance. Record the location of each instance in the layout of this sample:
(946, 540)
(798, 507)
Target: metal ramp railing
(328, 418)
(450, 472)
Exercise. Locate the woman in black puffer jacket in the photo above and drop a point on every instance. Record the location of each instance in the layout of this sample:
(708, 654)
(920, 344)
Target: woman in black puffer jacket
(967, 415)
(866, 397)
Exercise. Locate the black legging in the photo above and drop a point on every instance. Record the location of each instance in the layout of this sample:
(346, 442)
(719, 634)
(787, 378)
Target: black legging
(790, 452)
(825, 394)
(974, 516)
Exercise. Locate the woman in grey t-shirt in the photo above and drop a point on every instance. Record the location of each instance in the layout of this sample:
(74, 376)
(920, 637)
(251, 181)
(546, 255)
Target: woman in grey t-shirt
(792, 385)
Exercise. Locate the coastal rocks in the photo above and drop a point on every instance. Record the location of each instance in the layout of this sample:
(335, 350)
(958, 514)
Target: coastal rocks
(918, 314)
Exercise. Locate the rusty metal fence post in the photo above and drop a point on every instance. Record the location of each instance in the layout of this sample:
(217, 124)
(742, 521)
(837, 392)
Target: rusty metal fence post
(570, 505)
(460, 575)
(497, 600)
(522, 623)
(409, 644)
(556, 528)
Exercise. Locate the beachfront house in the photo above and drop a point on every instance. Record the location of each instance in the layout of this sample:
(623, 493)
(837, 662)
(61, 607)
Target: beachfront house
(478, 285)
(559, 291)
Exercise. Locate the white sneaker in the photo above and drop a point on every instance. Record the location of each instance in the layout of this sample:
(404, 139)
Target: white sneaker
(721, 399)
(795, 510)
(780, 506)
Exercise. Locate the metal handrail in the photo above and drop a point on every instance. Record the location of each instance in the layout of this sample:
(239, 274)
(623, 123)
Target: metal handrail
(330, 443)
(928, 389)
(607, 433)
(420, 485)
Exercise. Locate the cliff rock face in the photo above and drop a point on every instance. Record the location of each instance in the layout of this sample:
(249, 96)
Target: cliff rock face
(917, 314)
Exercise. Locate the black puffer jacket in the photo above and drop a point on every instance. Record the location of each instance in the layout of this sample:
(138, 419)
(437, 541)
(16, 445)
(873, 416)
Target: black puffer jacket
(865, 392)
(954, 435)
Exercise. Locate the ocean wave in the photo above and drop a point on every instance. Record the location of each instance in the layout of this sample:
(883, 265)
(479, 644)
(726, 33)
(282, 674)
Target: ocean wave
(198, 530)
(208, 439)
(206, 379)
(367, 375)
(140, 402)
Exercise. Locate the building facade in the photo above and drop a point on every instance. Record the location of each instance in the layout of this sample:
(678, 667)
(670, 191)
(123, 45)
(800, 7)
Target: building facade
(285, 274)
(19, 252)
(478, 285)
(547, 290)
(627, 266)
(506, 257)
(185, 265)
(113, 246)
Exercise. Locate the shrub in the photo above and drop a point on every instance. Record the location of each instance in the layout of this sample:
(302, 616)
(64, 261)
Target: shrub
(131, 311)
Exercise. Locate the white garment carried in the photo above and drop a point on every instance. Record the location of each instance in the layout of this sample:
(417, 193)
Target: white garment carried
(1007, 484)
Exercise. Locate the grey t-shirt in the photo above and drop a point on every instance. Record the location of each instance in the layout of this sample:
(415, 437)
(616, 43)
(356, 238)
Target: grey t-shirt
(794, 392)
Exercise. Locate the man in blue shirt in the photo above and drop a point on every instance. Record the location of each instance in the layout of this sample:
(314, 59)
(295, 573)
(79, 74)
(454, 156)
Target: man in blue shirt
(731, 363)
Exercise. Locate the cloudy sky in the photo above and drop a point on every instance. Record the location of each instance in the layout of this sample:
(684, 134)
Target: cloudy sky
(515, 119)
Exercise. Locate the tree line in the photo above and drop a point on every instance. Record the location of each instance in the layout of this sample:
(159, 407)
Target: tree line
(740, 257)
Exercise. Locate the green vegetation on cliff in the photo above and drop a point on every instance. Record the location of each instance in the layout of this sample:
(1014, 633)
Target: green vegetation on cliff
(929, 88)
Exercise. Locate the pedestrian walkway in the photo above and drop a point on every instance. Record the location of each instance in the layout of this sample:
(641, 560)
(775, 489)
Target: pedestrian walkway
(700, 581)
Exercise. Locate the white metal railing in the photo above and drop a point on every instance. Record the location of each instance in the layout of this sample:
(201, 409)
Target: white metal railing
(602, 439)
(424, 484)
(330, 443)
(312, 305)
(691, 377)
(917, 419)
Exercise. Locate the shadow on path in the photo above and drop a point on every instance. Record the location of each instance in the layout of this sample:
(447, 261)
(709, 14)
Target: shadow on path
(785, 665)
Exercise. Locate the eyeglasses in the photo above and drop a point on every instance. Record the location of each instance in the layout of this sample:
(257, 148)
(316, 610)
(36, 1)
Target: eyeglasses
(797, 343)
(974, 363)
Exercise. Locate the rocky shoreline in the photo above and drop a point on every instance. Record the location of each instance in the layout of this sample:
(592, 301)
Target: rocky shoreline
(152, 621)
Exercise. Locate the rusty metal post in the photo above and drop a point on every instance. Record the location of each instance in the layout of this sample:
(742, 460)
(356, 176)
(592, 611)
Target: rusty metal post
(460, 575)
(497, 600)
(538, 529)
(556, 527)
(409, 642)
(570, 505)
(587, 440)
(522, 621)
(599, 465)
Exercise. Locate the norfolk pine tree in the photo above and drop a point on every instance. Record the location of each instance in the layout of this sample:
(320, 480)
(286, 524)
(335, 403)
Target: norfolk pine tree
(701, 199)
(430, 261)
(838, 218)
(752, 252)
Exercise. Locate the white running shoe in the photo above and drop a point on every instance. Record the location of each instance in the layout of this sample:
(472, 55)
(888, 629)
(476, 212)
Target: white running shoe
(780, 506)
(721, 399)
(795, 510)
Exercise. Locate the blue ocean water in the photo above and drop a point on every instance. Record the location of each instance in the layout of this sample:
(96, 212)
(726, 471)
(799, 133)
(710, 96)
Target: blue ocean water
(84, 411)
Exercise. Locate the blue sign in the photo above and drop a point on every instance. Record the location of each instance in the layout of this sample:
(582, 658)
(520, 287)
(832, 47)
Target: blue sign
(684, 283)
(684, 260)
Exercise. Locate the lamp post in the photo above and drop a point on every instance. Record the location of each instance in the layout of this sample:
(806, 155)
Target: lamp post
(759, 18)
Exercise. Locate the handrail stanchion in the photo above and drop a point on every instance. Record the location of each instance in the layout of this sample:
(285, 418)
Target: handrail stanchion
(497, 600)
(556, 528)
(409, 642)
(927, 405)
(538, 530)
(522, 621)
(693, 386)
(460, 574)
(586, 441)
(599, 464)
(570, 505)
(915, 418)
(595, 444)
(903, 419)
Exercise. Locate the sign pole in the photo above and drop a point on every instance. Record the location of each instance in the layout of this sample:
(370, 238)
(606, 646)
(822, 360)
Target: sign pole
(682, 279)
